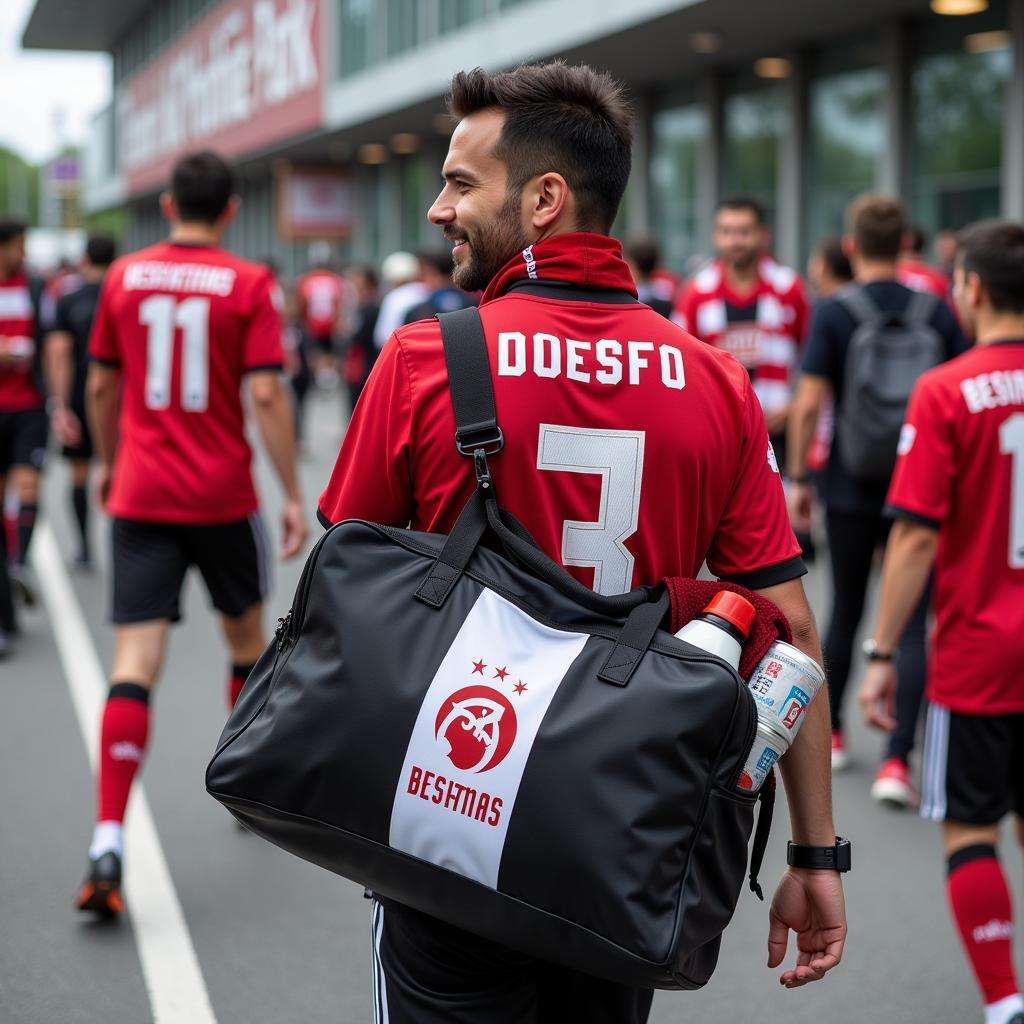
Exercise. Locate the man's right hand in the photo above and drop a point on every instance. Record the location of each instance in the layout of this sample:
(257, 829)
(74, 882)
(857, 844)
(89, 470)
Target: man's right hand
(102, 480)
(293, 529)
(799, 499)
(67, 427)
(811, 904)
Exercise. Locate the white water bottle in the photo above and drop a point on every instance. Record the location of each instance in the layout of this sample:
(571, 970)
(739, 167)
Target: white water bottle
(722, 627)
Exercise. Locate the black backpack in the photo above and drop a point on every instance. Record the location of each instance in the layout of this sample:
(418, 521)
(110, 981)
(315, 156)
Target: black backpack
(888, 352)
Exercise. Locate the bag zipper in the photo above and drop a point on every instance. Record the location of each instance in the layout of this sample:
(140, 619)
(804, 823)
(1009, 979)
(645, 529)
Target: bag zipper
(297, 613)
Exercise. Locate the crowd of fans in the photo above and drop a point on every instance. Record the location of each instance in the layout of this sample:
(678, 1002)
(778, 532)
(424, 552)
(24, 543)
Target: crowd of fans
(772, 318)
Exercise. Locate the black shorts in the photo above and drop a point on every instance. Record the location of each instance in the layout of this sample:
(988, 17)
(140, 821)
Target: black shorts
(150, 561)
(973, 768)
(323, 342)
(83, 451)
(428, 972)
(23, 437)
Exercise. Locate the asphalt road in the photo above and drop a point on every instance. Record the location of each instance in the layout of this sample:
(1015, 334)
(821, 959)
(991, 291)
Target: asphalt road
(277, 940)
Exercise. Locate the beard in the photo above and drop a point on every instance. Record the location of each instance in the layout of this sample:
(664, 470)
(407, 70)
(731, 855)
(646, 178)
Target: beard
(491, 246)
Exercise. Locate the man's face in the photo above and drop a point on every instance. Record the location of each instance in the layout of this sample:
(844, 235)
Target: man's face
(12, 256)
(738, 238)
(474, 210)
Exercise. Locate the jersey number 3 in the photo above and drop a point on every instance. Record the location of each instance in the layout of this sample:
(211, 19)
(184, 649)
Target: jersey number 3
(163, 315)
(617, 456)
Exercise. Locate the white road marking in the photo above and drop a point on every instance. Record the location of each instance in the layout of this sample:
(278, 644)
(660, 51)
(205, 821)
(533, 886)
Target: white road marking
(174, 981)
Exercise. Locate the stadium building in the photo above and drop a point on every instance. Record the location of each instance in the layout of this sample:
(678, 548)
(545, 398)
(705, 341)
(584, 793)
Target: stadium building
(332, 109)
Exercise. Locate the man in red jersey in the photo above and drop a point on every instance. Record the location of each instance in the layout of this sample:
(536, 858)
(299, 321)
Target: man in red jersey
(958, 500)
(912, 270)
(179, 326)
(23, 420)
(321, 296)
(749, 305)
(632, 452)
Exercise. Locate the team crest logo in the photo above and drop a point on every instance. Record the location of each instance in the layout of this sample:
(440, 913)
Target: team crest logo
(475, 728)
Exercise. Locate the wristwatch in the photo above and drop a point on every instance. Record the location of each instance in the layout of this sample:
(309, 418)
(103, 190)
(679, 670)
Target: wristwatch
(872, 652)
(821, 858)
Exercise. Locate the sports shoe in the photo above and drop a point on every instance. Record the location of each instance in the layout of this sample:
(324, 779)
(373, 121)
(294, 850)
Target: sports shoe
(22, 585)
(101, 890)
(892, 785)
(840, 756)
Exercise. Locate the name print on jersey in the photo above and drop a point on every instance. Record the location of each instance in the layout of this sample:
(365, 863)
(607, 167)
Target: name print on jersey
(607, 361)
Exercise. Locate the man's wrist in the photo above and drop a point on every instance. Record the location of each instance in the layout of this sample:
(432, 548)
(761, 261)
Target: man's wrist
(877, 651)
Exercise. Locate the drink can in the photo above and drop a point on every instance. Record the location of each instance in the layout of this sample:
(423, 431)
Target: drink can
(784, 684)
(769, 745)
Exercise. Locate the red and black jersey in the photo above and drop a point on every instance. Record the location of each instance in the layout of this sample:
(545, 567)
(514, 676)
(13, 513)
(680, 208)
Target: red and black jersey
(763, 328)
(19, 384)
(185, 323)
(961, 470)
(919, 276)
(632, 450)
(321, 294)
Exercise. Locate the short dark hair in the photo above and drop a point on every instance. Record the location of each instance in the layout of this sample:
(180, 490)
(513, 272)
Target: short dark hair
(202, 184)
(744, 203)
(100, 250)
(876, 223)
(644, 252)
(11, 228)
(994, 250)
(442, 261)
(368, 274)
(569, 119)
(830, 248)
(916, 239)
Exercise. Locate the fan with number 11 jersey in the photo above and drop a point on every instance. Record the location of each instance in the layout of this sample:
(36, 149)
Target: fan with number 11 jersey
(185, 323)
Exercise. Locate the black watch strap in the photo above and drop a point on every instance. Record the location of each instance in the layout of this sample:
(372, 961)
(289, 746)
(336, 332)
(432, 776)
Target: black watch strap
(821, 858)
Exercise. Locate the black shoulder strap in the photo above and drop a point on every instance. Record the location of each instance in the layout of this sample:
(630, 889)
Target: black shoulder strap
(858, 303)
(469, 376)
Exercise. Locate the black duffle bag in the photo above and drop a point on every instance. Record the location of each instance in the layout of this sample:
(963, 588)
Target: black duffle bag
(458, 724)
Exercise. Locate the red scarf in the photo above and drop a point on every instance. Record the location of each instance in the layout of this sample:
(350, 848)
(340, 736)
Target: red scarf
(581, 258)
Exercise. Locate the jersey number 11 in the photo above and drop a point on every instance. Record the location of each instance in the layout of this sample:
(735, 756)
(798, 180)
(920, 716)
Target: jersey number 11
(163, 315)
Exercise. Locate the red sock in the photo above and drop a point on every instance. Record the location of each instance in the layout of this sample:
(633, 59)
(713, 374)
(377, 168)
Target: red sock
(122, 745)
(980, 902)
(239, 674)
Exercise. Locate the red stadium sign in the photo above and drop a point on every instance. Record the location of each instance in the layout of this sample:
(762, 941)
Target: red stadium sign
(248, 75)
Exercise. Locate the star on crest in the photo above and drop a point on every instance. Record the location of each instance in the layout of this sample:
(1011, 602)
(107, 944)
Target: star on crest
(500, 673)
(479, 666)
(520, 686)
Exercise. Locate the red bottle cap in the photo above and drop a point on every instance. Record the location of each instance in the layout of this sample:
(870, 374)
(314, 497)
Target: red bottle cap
(733, 608)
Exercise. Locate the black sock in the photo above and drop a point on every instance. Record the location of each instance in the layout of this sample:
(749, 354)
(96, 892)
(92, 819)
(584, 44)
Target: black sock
(26, 524)
(80, 503)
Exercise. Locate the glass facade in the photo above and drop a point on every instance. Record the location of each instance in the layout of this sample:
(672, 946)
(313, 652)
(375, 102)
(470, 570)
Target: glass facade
(679, 132)
(454, 14)
(356, 27)
(403, 25)
(755, 125)
(958, 116)
(846, 135)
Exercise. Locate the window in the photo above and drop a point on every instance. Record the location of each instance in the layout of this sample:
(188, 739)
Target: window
(958, 113)
(755, 126)
(679, 133)
(846, 134)
(356, 25)
(456, 13)
(403, 25)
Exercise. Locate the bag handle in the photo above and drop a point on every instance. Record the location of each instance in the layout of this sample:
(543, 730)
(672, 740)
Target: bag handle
(478, 435)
